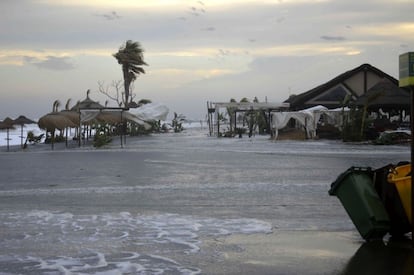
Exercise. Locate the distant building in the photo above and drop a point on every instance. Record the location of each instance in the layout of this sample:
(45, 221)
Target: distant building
(352, 84)
(378, 102)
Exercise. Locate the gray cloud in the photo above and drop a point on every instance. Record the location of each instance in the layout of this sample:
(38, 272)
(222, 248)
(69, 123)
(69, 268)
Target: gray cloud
(333, 38)
(51, 63)
(210, 29)
(251, 27)
(113, 15)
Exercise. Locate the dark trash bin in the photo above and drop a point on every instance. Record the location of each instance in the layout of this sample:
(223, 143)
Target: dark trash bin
(388, 193)
(355, 190)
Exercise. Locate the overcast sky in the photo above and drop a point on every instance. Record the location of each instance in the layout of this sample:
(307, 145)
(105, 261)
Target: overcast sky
(197, 51)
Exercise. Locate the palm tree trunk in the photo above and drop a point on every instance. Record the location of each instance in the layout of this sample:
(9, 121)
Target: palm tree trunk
(364, 114)
(126, 84)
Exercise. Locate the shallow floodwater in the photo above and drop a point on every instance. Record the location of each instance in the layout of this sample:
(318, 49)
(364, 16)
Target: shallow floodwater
(146, 208)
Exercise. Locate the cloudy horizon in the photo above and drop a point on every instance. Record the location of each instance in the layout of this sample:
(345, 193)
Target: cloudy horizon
(197, 51)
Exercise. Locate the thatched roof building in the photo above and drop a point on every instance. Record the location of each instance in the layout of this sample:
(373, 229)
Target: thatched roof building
(385, 95)
(351, 84)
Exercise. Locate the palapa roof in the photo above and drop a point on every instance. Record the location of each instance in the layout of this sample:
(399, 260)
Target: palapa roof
(72, 115)
(21, 120)
(87, 103)
(111, 117)
(385, 95)
(7, 123)
(339, 88)
(55, 120)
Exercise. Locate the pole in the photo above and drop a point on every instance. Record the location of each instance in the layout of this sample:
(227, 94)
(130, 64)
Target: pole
(235, 120)
(21, 135)
(8, 139)
(123, 130)
(412, 162)
(79, 129)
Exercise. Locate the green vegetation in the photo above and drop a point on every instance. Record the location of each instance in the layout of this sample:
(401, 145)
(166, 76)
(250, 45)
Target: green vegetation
(101, 137)
(177, 122)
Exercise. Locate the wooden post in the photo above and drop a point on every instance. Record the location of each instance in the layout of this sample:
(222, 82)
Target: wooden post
(216, 116)
(412, 162)
(235, 120)
(8, 139)
(209, 119)
(21, 135)
(122, 131)
(269, 123)
(79, 129)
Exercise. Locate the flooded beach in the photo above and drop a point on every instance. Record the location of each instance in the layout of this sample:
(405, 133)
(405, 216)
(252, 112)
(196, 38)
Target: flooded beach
(181, 203)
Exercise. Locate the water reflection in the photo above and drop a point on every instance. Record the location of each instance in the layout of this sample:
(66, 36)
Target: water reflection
(377, 257)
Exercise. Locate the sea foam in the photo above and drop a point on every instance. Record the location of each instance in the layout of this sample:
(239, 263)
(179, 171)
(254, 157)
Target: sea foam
(111, 243)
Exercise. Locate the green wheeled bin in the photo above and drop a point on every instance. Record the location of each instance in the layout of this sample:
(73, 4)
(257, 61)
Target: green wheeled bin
(355, 190)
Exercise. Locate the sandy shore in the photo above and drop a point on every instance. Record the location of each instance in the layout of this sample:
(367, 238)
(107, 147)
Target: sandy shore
(307, 252)
(284, 252)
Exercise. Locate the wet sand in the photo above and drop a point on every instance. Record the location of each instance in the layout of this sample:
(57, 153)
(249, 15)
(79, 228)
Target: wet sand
(307, 252)
(285, 252)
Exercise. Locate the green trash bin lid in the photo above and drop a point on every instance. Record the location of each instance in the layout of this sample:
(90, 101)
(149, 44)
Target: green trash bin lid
(341, 178)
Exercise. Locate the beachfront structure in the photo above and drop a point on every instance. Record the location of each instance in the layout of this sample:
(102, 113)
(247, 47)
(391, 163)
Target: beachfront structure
(387, 96)
(349, 85)
(308, 119)
(366, 88)
(88, 113)
(231, 109)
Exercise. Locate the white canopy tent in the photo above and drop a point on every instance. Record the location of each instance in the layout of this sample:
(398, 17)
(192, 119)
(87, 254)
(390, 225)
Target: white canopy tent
(308, 118)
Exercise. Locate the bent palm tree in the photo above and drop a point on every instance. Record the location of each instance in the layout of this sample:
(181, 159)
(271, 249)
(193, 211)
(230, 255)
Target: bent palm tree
(130, 56)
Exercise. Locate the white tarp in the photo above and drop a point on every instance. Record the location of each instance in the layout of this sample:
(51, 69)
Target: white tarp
(88, 115)
(141, 115)
(335, 116)
(308, 118)
(151, 112)
(132, 117)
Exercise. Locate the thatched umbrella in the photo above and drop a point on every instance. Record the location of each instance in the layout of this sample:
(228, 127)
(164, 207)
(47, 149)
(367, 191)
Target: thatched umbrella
(55, 120)
(87, 103)
(22, 120)
(111, 117)
(7, 124)
(71, 115)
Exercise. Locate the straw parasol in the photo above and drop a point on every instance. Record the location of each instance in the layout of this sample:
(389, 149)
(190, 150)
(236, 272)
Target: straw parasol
(55, 120)
(111, 117)
(71, 115)
(87, 103)
(7, 124)
(22, 120)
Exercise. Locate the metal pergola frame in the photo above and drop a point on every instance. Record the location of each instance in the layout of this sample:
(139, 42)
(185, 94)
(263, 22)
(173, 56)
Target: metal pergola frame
(122, 109)
(214, 108)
